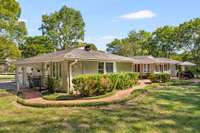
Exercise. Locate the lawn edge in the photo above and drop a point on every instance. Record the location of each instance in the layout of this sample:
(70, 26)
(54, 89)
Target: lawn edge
(86, 98)
(134, 94)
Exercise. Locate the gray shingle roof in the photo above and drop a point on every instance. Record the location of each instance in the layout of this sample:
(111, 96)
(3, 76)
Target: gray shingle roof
(150, 60)
(166, 60)
(76, 53)
(145, 59)
(187, 63)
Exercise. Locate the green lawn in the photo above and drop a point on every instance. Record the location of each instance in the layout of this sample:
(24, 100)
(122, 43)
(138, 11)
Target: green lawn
(7, 77)
(167, 109)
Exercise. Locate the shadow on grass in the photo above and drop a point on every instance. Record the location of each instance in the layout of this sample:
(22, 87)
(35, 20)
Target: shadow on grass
(159, 111)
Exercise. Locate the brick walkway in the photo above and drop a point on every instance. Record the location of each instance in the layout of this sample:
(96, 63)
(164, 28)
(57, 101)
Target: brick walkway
(31, 94)
(35, 97)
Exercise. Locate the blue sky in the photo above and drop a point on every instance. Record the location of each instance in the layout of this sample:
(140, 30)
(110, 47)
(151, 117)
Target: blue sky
(109, 19)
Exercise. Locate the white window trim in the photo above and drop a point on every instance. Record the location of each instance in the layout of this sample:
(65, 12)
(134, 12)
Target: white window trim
(104, 63)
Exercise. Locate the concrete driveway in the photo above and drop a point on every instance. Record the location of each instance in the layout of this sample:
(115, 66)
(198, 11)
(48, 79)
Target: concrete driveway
(8, 85)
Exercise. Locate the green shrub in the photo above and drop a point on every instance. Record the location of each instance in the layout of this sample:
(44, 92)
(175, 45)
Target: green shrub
(99, 84)
(159, 77)
(89, 85)
(144, 75)
(122, 81)
(53, 84)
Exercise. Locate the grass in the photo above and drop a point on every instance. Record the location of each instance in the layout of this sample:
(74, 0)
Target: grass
(179, 82)
(6, 77)
(64, 96)
(163, 109)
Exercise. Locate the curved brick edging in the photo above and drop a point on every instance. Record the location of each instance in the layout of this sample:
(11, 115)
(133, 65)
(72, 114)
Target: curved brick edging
(119, 96)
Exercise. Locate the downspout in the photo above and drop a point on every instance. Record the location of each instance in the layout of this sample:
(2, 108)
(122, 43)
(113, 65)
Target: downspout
(70, 75)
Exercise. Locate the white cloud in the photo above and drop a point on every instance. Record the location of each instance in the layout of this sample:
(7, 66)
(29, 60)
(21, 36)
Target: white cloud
(142, 14)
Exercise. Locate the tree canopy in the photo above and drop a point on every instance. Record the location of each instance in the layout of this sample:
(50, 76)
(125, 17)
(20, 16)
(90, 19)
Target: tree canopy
(163, 42)
(36, 45)
(11, 27)
(180, 42)
(135, 44)
(64, 28)
(91, 45)
(189, 39)
(8, 49)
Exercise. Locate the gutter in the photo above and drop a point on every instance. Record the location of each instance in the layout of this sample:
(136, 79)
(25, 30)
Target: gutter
(70, 75)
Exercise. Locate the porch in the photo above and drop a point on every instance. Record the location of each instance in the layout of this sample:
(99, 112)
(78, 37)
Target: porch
(144, 69)
(35, 75)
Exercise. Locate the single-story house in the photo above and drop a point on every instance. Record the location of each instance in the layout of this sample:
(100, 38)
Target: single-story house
(69, 63)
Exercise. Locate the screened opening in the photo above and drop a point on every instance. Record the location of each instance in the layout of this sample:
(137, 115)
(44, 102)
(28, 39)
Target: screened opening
(136, 68)
(109, 67)
(101, 67)
(56, 69)
(146, 68)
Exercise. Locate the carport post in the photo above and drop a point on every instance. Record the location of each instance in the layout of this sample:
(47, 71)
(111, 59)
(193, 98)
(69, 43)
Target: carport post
(16, 78)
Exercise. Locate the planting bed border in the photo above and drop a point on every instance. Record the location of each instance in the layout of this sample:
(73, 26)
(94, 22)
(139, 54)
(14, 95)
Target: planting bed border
(134, 94)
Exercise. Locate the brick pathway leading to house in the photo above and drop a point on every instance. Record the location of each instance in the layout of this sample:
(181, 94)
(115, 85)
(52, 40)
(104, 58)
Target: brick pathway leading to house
(35, 97)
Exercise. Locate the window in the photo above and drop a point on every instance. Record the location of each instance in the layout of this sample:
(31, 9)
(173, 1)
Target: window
(56, 69)
(136, 68)
(101, 67)
(146, 68)
(157, 68)
(109, 67)
(166, 67)
(177, 67)
(60, 69)
(105, 67)
(161, 68)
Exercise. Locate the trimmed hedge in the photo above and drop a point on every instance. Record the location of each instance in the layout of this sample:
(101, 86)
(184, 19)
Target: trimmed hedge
(100, 84)
(159, 77)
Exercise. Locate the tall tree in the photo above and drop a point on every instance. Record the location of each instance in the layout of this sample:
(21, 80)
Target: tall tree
(189, 38)
(139, 41)
(8, 49)
(135, 44)
(36, 45)
(120, 47)
(163, 42)
(65, 27)
(11, 27)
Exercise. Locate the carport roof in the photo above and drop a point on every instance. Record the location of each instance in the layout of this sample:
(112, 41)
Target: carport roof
(153, 60)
